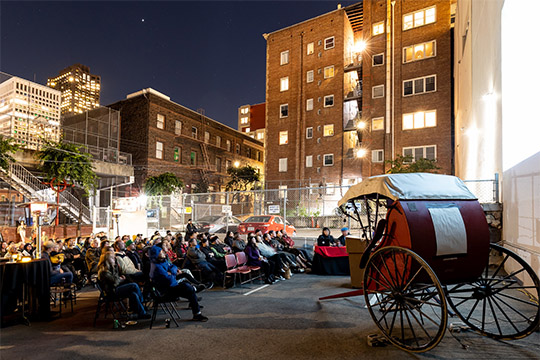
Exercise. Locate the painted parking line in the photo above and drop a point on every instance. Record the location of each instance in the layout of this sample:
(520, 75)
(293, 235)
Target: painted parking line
(257, 289)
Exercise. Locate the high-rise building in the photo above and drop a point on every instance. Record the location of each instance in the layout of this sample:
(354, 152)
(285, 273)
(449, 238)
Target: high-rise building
(80, 89)
(29, 112)
(252, 121)
(350, 90)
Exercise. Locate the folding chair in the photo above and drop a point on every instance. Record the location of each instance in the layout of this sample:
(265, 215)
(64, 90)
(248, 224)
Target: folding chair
(166, 304)
(232, 269)
(241, 260)
(111, 302)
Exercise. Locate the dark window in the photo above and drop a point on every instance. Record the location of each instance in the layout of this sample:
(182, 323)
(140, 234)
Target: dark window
(378, 59)
(407, 88)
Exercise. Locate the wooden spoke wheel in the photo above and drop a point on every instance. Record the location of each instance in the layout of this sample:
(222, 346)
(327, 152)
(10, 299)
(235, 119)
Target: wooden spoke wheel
(503, 302)
(405, 299)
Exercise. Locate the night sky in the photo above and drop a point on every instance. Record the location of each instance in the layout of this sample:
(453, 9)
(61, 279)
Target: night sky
(203, 54)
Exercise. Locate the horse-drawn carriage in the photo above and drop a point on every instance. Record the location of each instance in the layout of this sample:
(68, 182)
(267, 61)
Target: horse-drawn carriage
(429, 256)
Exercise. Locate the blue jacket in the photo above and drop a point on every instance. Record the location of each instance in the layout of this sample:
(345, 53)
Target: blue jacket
(162, 272)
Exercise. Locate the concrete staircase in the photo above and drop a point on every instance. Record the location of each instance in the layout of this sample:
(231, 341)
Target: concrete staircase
(30, 186)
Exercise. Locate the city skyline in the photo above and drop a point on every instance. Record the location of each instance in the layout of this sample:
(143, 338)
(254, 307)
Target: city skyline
(216, 64)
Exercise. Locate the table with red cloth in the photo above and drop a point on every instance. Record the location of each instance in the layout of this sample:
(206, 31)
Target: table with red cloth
(330, 260)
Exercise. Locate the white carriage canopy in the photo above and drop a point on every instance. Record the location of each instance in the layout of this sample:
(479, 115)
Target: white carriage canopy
(413, 186)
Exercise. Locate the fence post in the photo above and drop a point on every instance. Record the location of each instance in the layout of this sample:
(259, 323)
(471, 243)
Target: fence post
(496, 188)
(183, 207)
(285, 210)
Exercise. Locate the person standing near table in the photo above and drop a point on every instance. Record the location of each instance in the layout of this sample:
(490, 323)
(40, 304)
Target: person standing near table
(190, 228)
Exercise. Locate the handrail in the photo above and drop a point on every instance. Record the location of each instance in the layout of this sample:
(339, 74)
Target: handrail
(27, 178)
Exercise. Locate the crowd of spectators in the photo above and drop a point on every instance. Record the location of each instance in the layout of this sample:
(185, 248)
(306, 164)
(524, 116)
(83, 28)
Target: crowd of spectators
(134, 266)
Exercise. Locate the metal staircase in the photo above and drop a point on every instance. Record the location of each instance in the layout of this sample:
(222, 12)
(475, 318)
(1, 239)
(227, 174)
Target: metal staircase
(30, 186)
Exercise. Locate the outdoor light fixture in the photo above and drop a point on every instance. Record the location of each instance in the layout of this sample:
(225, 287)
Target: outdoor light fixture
(38, 207)
(361, 125)
(361, 153)
(236, 163)
(360, 46)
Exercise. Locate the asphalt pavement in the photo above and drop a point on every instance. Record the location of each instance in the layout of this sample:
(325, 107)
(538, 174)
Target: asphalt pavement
(281, 321)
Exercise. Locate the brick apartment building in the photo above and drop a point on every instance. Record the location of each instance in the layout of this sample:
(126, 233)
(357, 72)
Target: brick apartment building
(354, 87)
(163, 136)
(252, 120)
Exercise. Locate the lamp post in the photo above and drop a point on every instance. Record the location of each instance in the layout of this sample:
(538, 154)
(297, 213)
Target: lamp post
(38, 208)
(116, 215)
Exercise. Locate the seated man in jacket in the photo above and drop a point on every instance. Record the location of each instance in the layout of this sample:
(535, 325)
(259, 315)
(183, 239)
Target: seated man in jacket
(57, 274)
(211, 256)
(133, 255)
(163, 273)
(127, 268)
(92, 256)
(198, 258)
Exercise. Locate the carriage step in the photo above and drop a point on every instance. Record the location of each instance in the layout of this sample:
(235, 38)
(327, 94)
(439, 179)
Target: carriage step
(458, 327)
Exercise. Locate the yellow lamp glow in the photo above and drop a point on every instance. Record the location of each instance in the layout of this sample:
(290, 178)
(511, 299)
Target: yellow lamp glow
(38, 207)
(361, 153)
(360, 46)
(236, 163)
(361, 125)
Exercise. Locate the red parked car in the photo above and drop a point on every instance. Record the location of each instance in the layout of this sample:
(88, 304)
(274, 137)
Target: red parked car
(265, 223)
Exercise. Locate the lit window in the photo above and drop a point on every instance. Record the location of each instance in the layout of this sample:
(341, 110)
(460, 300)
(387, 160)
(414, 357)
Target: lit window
(176, 154)
(283, 110)
(309, 133)
(420, 85)
(228, 144)
(310, 48)
(283, 165)
(284, 57)
(329, 43)
(421, 152)
(419, 18)
(260, 135)
(309, 104)
(378, 28)
(329, 72)
(328, 160)
(377, 156)
(309, 76)
(178, 127)
(377, 91)
(244, 120)
(419, 120)
(283, 137)
(328, 130)
(378, 59)
(218, 141)
(160, 121)
(247, 129)
(159, 150)
(193, 158)
(377, 123)
(206, 137)
(284, 84)
(194, 132)
(329, 101)
(309, 161)
(244, 110)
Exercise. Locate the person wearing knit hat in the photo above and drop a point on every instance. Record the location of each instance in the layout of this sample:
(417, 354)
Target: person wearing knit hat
(342, 239)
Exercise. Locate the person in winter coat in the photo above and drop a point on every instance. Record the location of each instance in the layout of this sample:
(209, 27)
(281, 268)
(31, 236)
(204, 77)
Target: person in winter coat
(325, 239)
(163, 273)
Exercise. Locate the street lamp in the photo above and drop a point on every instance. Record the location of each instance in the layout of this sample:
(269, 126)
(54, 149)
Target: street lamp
(116, 215)
(236, 164)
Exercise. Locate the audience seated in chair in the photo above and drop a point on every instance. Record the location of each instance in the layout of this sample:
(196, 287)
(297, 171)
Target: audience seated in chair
(164, 277)
(114, 283)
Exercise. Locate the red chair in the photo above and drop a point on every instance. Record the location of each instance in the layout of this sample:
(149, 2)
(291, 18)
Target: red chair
(241, 260)
(233, 270)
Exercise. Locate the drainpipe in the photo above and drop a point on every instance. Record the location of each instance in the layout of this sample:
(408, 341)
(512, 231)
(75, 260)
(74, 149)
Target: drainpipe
(393, 78)
(388, 124)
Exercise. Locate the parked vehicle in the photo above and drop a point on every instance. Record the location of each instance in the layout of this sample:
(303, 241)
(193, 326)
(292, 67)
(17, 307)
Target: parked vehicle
(217, 224)
(265, 223)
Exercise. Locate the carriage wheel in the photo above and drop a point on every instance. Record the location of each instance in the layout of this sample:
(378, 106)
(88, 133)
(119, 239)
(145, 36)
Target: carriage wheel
(503, 302)
(405, 299)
